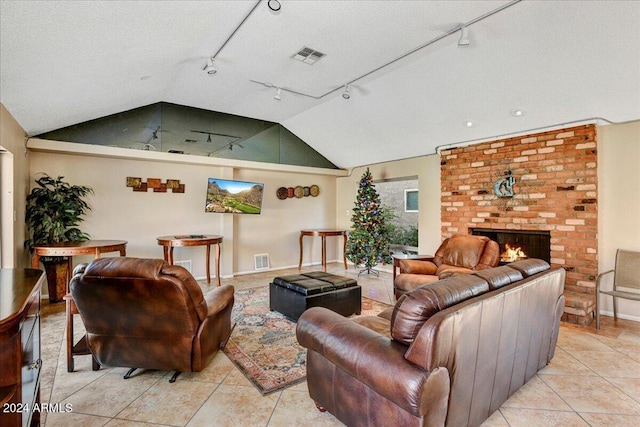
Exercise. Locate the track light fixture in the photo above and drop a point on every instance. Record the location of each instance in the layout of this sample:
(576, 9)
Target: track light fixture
(274, 5)
(277, 95)
(347, 92)
(210, 67)
(464, 37)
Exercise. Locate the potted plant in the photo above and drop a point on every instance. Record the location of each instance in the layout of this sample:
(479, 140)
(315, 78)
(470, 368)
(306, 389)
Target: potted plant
(54, 210)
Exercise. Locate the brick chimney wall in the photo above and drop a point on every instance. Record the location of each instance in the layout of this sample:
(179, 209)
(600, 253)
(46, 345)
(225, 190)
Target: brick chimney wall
(555, 189)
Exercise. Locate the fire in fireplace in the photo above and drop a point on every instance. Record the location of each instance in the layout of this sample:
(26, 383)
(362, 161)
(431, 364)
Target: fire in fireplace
(518, 244)
(512, 254)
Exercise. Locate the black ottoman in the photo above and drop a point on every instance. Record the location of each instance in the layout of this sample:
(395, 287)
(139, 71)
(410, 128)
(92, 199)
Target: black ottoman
(292, 295)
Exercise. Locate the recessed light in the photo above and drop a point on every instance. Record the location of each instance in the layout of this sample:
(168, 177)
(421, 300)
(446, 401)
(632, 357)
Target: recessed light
(469, 124)
(516, 112)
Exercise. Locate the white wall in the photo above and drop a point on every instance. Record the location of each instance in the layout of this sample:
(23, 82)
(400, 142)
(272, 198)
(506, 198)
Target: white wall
(427, 169)
(120, 213)
(277, 230)
(618, 203)
(13, 191)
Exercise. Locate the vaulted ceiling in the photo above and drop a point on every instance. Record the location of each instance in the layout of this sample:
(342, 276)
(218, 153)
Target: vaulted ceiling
(413, 88)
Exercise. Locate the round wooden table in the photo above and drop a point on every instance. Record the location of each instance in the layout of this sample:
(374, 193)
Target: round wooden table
(324, 233)
(170, 242)
(69, 249)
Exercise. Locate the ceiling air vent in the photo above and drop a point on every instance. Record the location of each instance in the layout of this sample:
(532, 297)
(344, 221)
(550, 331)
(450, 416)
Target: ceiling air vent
(308, 55)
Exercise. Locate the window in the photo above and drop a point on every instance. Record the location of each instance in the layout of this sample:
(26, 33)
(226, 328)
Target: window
(411, 200)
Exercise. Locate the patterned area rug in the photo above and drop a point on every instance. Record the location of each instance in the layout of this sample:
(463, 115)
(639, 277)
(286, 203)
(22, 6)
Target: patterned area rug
(263, 344)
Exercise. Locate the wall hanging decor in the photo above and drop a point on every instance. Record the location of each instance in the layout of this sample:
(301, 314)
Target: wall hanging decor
(506, 187)
(137, 184)
(297, 192)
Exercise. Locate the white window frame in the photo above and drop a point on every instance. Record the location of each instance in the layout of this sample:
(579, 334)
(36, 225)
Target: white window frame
(407, 191)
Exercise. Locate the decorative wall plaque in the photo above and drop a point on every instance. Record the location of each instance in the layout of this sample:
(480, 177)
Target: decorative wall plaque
(508, 188)
(137, 184)
(299, 192)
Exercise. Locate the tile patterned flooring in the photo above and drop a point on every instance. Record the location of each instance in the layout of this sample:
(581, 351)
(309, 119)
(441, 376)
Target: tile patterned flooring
(593, 380)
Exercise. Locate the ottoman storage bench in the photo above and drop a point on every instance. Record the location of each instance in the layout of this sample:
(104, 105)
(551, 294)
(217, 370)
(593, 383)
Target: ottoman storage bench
(292, 295)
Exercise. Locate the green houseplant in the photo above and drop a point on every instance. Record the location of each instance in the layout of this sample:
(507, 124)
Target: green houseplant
(54, 211)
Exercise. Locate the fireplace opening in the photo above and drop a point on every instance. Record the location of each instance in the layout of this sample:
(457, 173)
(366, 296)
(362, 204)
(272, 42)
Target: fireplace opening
(518, 244)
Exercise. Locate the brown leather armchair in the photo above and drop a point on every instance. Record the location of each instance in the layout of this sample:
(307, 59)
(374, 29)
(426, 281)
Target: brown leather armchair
(459, 254)
(145, 313)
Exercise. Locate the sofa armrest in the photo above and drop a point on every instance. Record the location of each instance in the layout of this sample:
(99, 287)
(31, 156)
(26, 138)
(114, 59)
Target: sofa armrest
(414, 266)
(373, 359)
(218, 299)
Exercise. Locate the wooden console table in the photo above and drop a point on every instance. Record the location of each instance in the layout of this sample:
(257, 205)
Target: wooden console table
(20, 355)
(324, 234)
(69, 249)
(170, 242)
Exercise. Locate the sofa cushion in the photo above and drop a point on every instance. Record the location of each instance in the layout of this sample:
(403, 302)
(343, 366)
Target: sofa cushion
(406, 282)
(375, 323)
(531, 266)
(414, 308)
(499, 276)
(464, 251)
(446, 270)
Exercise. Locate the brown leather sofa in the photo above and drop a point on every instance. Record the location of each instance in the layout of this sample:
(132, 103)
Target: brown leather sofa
(459, 254)
(449, 353)
(145, 313)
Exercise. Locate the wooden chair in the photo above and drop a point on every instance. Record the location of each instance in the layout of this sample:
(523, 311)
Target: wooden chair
(626, 275)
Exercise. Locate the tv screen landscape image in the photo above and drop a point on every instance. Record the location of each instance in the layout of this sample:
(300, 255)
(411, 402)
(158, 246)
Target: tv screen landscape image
(228, 196)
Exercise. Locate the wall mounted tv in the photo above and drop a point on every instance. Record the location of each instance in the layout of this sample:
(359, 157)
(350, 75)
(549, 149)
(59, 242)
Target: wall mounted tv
(228, 196)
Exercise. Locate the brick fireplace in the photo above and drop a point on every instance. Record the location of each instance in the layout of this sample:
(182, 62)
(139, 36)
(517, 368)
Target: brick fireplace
(544, 182)
(518, 244)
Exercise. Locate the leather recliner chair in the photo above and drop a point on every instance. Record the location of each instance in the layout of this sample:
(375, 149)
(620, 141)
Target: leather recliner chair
(459, 254)
(146, 313)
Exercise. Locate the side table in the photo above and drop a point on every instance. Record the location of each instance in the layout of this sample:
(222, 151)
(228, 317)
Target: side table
(69, 249)
(170, 242)
(324, 234)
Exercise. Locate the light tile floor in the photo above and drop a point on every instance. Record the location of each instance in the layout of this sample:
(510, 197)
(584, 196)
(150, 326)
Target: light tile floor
(593, 380)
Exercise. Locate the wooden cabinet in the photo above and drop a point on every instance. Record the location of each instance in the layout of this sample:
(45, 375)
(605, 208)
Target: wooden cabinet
(20, 357)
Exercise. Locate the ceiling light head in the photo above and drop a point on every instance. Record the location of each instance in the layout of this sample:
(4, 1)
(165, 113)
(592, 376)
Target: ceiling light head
(274, 5)
(469, 124)
(464, 37)
(347, 92)
(517, 112)
(210, 67)
(277, 95)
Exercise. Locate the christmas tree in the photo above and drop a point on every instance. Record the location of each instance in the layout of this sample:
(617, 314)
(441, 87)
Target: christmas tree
(368, 242)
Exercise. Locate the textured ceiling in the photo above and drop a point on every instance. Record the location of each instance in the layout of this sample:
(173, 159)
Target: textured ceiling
(65, 62)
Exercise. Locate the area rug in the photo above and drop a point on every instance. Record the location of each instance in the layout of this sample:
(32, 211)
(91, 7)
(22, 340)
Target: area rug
(263, 344)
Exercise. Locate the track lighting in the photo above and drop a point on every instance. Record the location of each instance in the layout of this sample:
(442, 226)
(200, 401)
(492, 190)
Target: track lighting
(464, 37)
(210, 67)
(277, 95)
(274, 5)
(347, 92)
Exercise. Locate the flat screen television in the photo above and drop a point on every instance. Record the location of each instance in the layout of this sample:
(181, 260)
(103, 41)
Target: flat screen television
(230, 196)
